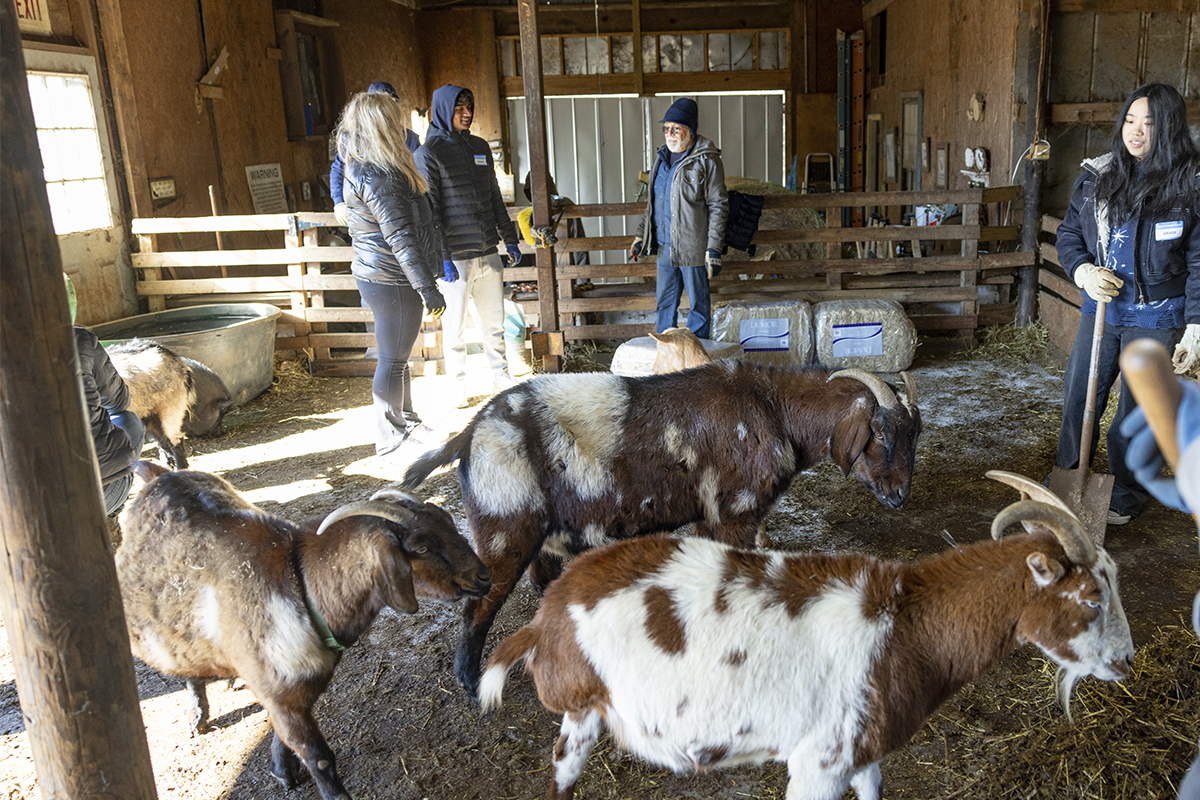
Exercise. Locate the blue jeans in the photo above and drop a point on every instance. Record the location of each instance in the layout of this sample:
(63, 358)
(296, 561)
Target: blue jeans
(669, 288)
(1128, 497)
(397, 311)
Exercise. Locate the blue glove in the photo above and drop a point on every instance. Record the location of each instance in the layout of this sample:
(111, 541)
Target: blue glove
(1143, 455)
(449, 271)
(514, 254)
(712, 260)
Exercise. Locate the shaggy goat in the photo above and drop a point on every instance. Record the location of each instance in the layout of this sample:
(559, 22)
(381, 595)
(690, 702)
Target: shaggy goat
(214, 587)
(562, 463)
(161, 389)
(698, 655)
(205, 414)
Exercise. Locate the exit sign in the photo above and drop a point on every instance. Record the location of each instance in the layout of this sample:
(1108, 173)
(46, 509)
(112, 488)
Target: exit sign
(32, 17)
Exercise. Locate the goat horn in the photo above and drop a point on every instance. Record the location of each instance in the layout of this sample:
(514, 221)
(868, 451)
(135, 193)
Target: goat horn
(883, 393)
(394, 494)
(1062, 524)
(910, 390)
(1029, 489)
(369, 508)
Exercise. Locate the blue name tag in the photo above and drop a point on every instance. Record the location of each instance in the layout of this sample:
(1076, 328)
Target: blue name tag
(481, 161)
(1165, 231)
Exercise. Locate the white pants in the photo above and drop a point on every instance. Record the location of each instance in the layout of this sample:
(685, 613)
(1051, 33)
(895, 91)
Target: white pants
(481, 281)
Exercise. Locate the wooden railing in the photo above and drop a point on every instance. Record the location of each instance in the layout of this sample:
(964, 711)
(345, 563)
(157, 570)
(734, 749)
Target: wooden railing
(299, 276)
(1059, 299)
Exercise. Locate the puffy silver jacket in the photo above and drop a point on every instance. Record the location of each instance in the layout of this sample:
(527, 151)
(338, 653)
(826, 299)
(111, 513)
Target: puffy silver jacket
(699, 205)
(392, 227)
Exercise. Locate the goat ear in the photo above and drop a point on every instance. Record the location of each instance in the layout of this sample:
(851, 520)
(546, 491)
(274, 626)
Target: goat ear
(849, 439)
(1045, 570)
(393, 580)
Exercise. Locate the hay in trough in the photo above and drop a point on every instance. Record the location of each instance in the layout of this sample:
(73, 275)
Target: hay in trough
(1133, 739)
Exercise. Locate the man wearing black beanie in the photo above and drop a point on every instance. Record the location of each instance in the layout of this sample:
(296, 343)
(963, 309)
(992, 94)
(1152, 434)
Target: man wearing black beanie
(684, 221)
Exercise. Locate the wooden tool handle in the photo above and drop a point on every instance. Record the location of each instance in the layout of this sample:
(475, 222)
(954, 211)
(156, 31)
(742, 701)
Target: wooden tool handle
(1146, 365)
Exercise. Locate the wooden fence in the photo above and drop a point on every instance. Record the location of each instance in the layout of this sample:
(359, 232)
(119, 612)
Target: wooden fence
(1059, 300)
(939, 289)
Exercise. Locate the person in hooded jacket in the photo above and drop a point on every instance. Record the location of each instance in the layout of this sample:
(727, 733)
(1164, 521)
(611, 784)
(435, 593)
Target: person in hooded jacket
(684, 222)
(474, 220)
(394, 234)
(117, 432)
(1131, 240)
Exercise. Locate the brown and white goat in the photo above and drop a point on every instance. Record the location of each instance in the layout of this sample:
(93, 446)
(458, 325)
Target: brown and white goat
(698, 655)
(214, 587)
(562, 463)
(161, 390)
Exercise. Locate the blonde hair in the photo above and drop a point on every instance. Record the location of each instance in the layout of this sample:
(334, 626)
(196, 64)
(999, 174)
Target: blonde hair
(372, 131)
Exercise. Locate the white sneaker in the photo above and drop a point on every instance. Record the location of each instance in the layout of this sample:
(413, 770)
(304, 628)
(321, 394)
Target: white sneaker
(1117, 518)
(502, 381)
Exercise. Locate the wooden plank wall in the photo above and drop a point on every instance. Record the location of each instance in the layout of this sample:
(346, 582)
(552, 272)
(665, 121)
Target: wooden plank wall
(313, 285)
(1059, 299)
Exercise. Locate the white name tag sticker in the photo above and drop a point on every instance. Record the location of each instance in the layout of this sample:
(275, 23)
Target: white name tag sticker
(764, 335)
(1165, 231)
(858, 339)
(481, 161)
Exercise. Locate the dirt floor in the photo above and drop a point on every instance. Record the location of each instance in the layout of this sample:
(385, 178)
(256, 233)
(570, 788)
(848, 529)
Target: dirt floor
(402, 728)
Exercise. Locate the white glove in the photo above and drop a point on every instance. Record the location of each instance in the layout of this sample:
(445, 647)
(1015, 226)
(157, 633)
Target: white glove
(1100, 284)
(342, 213)
(1187, 352)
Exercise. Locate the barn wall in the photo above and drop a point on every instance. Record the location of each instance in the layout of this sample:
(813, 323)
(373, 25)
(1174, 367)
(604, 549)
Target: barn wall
(459, 47)
(950, 55)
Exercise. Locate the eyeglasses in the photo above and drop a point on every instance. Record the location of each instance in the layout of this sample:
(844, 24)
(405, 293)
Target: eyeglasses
(673, 130)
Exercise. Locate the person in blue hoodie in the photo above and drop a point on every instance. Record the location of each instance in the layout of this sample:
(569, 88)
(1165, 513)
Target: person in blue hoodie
(473, 220)
(337, 170)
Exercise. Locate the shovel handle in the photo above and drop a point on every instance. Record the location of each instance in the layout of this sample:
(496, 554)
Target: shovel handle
(1147, 367)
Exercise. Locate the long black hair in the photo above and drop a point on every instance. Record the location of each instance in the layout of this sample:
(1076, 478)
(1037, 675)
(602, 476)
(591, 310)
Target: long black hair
(1166, 176)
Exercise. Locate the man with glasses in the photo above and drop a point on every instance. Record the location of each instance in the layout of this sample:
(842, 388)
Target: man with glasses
(472, 221)
(684, 221)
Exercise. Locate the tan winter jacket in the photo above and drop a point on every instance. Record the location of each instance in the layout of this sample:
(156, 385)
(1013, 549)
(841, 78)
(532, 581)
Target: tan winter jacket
(699, 205)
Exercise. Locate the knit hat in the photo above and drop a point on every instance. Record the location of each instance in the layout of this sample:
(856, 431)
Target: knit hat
(382, 87)
(685, 112)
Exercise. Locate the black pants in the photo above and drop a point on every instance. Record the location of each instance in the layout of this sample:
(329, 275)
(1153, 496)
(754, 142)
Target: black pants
(398, 312)
(1128, 497)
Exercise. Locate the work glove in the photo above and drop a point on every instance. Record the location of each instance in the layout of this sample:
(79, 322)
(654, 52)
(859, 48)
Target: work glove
(1144, 457)
(1187, 353)
(635, 250)
(1101, 284)
(712, 260)
(342, 213)
(514, 254)
(433, 301)
(449, 272)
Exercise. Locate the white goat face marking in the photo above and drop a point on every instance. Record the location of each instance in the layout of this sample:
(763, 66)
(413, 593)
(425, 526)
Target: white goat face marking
(291, 645)
(710, 483)
(502, 478)
(208, 614)
(1107, 639)
(582, 421)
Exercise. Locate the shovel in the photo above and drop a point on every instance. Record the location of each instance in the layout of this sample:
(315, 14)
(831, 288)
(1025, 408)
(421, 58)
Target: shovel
(1085, 492)
(1147, 369)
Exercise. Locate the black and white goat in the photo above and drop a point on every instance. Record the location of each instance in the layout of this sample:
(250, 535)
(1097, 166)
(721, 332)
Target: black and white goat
(697, 655)
(561, 463)
(214, 587)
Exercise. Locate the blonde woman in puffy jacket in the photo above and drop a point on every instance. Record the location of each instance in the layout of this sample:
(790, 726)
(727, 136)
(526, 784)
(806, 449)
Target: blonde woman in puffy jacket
(395, 241)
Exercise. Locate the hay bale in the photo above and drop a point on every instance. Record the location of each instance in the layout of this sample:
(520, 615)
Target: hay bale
(636, 356)
(874, 335)
(778, 333)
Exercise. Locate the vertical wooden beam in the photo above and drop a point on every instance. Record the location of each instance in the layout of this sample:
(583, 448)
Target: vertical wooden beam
(58, 585)
(535, 121)
(797, 61)
(1035, 120)
(639, 82)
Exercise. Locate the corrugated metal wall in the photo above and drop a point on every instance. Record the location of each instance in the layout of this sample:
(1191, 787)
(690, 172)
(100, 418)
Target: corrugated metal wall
(598, 146)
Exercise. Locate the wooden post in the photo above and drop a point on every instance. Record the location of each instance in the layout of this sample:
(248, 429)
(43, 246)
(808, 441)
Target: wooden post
(212, 201)
(58, 584)
(639, 80)
(1035, 116)
(535, 121)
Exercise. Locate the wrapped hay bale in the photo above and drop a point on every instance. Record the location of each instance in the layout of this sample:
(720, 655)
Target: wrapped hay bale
(874, 335)
(636, 356)
(770, 333)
